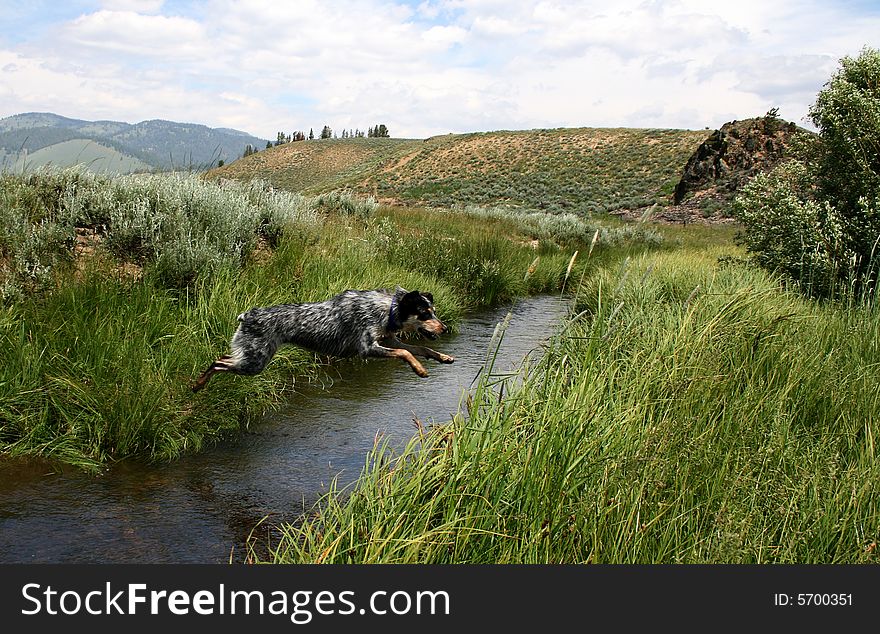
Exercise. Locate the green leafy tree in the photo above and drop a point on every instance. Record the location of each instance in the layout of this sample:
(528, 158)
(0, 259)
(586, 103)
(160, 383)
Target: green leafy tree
(816, 219)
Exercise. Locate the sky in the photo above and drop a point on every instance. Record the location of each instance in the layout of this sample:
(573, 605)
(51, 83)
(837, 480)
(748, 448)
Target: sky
(426, 67)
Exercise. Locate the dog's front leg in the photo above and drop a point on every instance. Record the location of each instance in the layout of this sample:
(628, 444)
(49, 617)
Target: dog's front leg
(422, 351)
(378, 350)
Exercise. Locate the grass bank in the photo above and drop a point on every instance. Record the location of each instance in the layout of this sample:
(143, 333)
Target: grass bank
(687, 412)
(117, 292)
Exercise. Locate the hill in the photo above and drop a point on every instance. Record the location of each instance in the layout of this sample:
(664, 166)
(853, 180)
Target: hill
(583, 170)
(320, 165)
(98, 158)
(40, 138)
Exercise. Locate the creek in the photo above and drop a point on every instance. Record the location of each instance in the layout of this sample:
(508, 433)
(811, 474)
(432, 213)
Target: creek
(203, 507)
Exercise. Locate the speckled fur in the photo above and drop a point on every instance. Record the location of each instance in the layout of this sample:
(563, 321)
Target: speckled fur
(363, 323)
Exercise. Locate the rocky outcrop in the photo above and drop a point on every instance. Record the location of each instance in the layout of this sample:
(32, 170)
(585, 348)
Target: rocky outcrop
(731, 156)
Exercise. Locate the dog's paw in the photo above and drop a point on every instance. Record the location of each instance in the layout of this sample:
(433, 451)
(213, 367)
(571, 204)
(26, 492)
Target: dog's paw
(445, 358)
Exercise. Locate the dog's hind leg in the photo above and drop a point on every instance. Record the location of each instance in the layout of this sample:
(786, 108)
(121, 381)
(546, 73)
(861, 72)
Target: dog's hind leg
(422, 351)
(223, 364)
(378, 350)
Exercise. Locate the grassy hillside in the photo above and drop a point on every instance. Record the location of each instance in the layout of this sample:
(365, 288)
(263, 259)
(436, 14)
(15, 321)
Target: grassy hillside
(319, 166)
(94, 156)
(582, 170)
(160, 145)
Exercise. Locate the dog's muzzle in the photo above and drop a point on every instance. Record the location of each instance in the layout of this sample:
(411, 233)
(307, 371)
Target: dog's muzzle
(433, 330)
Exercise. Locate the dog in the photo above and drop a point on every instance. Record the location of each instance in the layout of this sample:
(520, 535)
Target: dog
(364, 323)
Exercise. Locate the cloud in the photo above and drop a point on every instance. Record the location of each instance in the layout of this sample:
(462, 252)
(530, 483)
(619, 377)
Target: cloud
(130, 33)
(430, 67)
(138, 6)
(445, 35)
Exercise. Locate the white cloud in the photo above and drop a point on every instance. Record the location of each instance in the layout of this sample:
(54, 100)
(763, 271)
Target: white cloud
(138, 6)
(445, 35)
(435, 67)
(132, 33)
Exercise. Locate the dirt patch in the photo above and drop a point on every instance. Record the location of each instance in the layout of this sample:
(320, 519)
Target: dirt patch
(403, 160)
(687, 213)
(87, 240)
(262, 251)
(87, 249)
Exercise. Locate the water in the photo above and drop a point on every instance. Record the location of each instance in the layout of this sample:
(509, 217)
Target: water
(203, 508)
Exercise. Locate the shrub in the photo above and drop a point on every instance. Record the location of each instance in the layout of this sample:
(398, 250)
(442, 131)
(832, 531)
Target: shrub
(817, 220)
(180, 226)
(788, 231)
(346, 204)
(566, 228)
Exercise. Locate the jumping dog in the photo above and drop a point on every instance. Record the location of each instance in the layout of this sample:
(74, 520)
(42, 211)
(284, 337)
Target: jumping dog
(364, 323)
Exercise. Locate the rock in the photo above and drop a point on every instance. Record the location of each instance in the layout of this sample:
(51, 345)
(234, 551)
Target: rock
(731, 156)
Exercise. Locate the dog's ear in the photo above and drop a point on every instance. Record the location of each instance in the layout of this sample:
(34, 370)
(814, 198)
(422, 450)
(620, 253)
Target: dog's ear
(410, 299)
(428, 296)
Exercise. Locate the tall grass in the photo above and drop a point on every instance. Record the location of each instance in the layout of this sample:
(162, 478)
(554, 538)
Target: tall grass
(686, 413)
(97, 364)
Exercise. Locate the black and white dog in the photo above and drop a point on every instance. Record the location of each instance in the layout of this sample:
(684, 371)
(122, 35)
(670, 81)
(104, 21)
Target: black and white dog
(362, 323)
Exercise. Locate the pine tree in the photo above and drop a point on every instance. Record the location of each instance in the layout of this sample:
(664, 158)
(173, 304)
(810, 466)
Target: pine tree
(311, 135)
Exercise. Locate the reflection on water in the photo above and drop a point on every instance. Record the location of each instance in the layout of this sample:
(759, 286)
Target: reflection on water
(202, 508)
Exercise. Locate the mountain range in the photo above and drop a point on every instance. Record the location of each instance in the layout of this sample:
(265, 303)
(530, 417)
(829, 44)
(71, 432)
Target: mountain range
(35, 139)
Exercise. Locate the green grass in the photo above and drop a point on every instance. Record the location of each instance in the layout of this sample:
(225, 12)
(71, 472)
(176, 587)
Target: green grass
(97, 363)
(687, 412)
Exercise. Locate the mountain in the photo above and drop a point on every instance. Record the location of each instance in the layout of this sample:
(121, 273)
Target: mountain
(41, 138)
(582, 170)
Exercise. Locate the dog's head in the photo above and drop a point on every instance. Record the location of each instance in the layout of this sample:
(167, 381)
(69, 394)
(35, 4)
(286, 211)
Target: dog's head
(415, 310)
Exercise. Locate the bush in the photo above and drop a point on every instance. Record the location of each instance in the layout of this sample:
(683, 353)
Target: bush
(346, 204)
(179, 226)
(567, 229)
(816, 220)
(789, 232)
